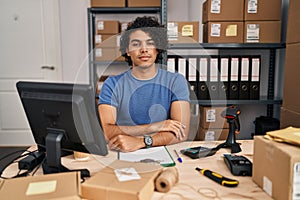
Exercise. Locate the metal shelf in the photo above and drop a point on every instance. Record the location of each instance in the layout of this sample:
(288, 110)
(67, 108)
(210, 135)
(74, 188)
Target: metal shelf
(226, 46)
(237, 102)
(124, 10)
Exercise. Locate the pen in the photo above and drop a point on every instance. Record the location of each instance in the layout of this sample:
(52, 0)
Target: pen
(218, 178)
(178, 157)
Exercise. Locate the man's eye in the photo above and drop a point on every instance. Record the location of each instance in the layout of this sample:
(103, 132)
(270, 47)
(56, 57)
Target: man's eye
(151, 43)
(135, 44)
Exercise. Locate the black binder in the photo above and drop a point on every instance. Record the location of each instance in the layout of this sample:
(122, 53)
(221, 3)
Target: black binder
(224, 78)
(213, 78)
(244, 78)
(202, 70)
(233, 90)
(255, 78)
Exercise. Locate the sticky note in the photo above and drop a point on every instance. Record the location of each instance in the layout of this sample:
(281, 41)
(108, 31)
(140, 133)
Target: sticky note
(41, 187)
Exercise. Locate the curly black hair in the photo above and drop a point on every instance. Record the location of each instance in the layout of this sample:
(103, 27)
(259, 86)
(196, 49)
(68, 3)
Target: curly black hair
(151, 26)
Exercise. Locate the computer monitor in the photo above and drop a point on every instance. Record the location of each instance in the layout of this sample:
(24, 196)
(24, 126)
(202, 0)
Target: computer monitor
(62, 117)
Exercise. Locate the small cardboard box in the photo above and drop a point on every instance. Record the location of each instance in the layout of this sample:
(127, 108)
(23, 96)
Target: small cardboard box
(183, 32)
(61, 186)
(106, 185)
(143, 3)
(263, 10)
(107, 40)
(289, 118)
(108, 3)
(225, 10)
(293, 24)
(223, 32)
(210, 117)
(107, 27)
(212, 134)
(276, 168)
(262, 32)
(106, 53)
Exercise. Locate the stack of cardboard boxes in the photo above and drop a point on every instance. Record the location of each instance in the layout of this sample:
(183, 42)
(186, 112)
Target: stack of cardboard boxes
(242, 21)
(290, 110)
(212, 125)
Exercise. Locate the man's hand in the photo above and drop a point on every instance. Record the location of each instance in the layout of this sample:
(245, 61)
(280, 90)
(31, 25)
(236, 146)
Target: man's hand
(173, 126)
(126, 143)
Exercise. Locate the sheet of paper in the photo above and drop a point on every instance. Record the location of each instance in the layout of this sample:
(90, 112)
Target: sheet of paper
(159, 155)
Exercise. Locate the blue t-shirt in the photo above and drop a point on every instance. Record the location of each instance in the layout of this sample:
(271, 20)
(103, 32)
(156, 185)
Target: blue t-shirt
(143, 101)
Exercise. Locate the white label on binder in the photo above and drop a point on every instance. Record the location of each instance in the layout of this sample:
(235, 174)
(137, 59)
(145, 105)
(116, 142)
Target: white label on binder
(252, 33)
(214, 70)
(252, 6)
(182, 66)
(192, 69)
(255, 69)
(296, 181)
(171, 64)
(224, 69)
(211, 115)
(203, 69)
(234, 75)
(100, 25)
(245, 69)
(215, 6)
(215, 30)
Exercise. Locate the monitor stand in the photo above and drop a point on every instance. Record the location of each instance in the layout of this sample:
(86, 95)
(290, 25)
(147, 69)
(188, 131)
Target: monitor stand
(52, 162)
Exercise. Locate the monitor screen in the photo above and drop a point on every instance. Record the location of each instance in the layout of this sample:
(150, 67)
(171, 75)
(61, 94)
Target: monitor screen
(65, 112)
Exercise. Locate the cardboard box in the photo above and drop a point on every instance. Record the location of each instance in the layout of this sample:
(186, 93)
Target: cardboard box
(107, 27)
(263, 10)
(262, 32)
(293, 24)
(143, 3)
(106, 53)
(212, 134)
(291, 94)
(61, 186)
(227, 10)
(223, 32)
(106, 185)
(210, 117)
(183, 32)
(276, 168)
(107, 40)
(289, 118)
(108, 3)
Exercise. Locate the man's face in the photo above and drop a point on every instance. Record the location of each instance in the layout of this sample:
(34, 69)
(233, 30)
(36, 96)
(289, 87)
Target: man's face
(141, 49)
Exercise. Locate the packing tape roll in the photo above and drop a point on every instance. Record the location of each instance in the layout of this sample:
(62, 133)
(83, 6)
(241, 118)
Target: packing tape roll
(166, 179)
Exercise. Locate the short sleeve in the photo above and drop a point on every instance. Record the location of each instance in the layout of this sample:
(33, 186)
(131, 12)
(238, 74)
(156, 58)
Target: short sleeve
(180, 89)
(106, 95)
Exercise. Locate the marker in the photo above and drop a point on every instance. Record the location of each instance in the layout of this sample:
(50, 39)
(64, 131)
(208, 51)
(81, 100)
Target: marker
(178, 157)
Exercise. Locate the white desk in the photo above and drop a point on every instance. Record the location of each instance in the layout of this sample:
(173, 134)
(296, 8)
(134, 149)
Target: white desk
(189, 179)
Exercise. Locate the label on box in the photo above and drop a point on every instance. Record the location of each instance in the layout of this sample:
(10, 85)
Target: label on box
(211, 115)
(98, 39)
(267, 185)
(98, 52)
(215, 6)
(172, 31)
(215, 30)
(296, 181)
(41, 187)
(252, 6)
(100, 25)
(187, 30)
(209, 136)
(127, 174)
(231, 30)
(252, 33)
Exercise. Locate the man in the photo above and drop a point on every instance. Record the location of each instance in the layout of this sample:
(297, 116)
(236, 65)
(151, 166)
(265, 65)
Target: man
(146, 105)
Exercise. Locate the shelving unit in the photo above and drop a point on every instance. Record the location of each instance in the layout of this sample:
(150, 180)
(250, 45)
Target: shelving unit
(93, 12)
(269, 99)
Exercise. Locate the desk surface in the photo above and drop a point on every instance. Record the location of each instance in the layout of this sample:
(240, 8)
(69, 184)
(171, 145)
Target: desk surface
(190, 181)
